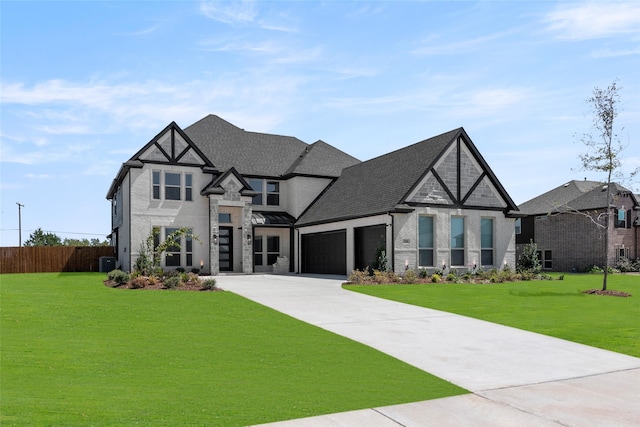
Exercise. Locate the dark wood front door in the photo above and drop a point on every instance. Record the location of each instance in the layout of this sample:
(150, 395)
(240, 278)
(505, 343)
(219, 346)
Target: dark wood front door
(225, 248)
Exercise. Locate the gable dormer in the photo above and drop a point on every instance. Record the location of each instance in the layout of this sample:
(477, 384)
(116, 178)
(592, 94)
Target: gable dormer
(172, 146)
(229, 184)
(461, 178)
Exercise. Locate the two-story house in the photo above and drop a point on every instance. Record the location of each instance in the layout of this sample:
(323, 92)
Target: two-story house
(254, 199)
(567, 224)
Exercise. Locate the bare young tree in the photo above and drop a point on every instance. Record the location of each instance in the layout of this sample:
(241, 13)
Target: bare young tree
(604, 149)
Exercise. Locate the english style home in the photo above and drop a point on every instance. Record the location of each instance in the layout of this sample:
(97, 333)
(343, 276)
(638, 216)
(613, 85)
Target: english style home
(268, 203)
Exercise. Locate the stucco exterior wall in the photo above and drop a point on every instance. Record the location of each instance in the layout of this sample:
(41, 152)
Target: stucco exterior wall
(123, 237)
(300, 191)
(147, 213)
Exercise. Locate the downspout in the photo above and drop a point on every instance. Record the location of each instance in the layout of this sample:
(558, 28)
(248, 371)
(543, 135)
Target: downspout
(292, 247)
(298, 251)
(253, 249)
(130, 230)
(393, 233)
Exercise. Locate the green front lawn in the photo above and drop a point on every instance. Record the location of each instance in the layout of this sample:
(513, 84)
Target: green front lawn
(557, 308)
(74, 352)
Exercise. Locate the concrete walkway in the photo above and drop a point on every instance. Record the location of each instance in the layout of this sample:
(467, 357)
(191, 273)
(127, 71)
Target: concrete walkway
(517, 378)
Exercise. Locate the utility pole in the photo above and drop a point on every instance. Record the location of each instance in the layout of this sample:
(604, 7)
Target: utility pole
(19, 224)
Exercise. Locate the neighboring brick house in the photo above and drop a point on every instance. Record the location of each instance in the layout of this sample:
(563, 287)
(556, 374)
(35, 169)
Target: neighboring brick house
(563, 224)
(262, 203)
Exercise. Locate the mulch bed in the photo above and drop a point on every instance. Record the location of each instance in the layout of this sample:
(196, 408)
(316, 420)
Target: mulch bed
(607, 292)
(160, 286)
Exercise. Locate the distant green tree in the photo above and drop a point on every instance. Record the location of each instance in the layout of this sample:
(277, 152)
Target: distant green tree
(84, 242)
(41, 238)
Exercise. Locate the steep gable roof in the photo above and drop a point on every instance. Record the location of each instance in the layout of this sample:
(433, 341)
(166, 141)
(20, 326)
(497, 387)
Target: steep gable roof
(381, 184)
(577, 195)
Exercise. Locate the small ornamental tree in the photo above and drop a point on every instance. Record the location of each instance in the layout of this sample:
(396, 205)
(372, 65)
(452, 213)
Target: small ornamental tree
(604, 152)
(528, 260)
(148, 261)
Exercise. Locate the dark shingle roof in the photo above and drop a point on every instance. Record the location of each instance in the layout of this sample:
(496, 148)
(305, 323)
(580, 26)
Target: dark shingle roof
(380, 184)
(577, 195)
(322, 158)
(261, 154)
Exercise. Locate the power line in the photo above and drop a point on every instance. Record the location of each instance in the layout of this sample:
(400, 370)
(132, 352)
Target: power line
(61, 232)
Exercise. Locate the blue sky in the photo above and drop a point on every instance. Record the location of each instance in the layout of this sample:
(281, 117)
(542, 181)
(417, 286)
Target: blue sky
(84, 85)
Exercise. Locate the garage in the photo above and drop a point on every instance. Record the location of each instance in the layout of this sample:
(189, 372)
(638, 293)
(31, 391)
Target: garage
(368, 240)
(325, 253)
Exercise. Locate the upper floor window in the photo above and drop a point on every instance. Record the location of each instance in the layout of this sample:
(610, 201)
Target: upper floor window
(518, 225)
(174, 184)
(269, 191)
(188, 187)
(256, 185)
(156, 185)
(621, 219)
(273, 193)
(171, 186)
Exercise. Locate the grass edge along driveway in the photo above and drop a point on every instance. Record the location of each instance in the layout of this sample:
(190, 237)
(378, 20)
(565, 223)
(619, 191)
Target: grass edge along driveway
(556, 308)
(75, 352)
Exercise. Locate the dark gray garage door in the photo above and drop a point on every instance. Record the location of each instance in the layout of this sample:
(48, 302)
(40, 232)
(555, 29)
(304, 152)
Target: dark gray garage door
(367, 242)
(325, 253)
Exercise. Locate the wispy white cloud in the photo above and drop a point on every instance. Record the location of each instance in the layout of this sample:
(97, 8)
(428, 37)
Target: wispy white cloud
(141, 32)
(591, 20)
(39, 176)
(268, 47)
(41, 155)
(229, 12)
(436, 45)
(51, 119)
(617, 52)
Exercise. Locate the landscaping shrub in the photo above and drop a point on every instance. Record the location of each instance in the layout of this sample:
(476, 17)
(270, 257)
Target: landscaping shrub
(172, 282)
(209, 284)
(436, 278)
(528, 260)
(410, 276)
(119, 277)
(625, 265)
(423, 273)
(139, 282)
(358, 277)
(191, 278)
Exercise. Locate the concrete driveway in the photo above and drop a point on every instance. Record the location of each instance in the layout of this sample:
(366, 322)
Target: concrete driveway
(518, 378)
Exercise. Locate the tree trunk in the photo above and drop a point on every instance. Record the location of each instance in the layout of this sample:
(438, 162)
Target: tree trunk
(608, 220)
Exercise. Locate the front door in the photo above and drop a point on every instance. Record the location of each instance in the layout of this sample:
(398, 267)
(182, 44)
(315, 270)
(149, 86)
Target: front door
(225, 248)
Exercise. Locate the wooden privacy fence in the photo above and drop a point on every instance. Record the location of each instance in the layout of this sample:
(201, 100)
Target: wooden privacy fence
(41, 259)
